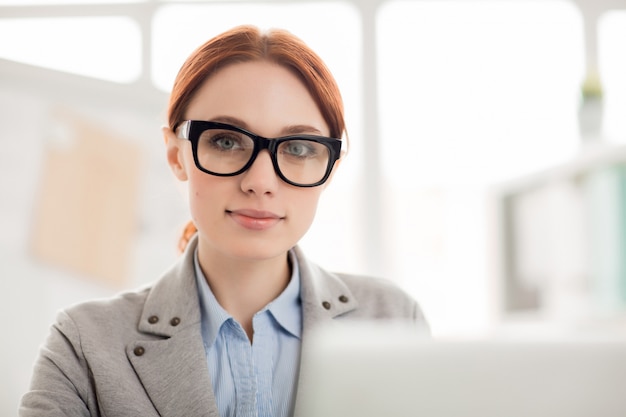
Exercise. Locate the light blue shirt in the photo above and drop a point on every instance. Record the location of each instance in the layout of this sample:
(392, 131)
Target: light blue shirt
(258, 379)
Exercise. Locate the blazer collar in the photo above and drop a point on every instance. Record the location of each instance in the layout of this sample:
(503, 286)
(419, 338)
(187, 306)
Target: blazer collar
(174, 298)
(172, 304)
(324, 297)
(177, 358)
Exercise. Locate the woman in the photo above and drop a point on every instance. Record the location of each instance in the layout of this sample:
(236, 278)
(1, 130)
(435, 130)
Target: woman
(221, 333)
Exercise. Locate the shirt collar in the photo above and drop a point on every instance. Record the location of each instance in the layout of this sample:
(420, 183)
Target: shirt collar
(212, 313)
(286, 308)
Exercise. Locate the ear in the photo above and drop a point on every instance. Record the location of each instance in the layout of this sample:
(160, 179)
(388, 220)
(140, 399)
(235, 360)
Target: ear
(175, 153)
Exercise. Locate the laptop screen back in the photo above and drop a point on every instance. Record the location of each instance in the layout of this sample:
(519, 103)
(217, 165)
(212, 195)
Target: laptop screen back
(378, 371)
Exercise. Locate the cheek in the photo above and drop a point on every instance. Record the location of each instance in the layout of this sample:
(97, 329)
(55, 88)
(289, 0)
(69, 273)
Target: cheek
(204, 192)
(306, 205)
(197, 186)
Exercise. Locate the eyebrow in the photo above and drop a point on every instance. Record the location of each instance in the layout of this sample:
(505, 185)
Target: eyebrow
(288, 130)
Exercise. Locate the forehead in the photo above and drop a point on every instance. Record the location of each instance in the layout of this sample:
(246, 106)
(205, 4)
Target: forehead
(265, 95)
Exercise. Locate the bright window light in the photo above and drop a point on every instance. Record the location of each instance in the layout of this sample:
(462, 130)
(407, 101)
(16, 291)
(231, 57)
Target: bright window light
(471, 93)
(478, 91)
(59, 2)
(612, 32)
(107, 48)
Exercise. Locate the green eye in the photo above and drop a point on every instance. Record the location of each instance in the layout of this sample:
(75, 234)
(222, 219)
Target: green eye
(225, 143)
(299, 148)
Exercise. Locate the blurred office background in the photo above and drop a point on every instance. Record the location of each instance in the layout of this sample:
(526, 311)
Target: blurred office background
(486, 175)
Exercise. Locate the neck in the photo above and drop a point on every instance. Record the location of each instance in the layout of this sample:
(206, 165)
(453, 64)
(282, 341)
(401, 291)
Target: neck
(243, 286)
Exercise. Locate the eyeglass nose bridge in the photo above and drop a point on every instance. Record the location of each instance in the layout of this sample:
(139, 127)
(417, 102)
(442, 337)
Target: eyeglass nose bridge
(265, 143)
(260, 144)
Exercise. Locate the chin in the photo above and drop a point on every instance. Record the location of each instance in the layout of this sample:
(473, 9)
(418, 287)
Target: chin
(258, 249)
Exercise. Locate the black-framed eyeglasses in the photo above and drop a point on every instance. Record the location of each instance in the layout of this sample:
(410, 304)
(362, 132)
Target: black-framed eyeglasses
(224, 150)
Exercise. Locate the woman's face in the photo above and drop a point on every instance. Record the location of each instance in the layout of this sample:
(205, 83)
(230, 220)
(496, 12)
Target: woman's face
(254, 215)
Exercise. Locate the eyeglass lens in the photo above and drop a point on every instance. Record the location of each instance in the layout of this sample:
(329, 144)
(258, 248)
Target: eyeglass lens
(225, 151)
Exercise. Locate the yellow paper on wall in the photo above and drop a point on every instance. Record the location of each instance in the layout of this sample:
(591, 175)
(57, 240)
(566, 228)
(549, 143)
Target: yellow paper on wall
(86, 213)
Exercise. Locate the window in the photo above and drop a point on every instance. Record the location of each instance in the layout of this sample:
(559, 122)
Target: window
(107, 48)
(472, 93)
(58, 2)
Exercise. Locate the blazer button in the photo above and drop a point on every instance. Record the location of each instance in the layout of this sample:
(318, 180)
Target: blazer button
(343, 298)
(326, 305)
(175, 321)
(153, 319)
(139, 350)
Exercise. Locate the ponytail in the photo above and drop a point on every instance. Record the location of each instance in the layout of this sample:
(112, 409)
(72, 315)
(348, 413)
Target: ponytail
(188, 232)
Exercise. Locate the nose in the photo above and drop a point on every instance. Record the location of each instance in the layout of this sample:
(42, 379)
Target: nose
(260, 178)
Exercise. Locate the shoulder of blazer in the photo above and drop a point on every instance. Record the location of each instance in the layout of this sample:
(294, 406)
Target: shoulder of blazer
(381, 298)
(151, 309)
(352, 296)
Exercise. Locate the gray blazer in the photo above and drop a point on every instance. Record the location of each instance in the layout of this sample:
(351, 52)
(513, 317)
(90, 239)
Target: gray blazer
(141, 353)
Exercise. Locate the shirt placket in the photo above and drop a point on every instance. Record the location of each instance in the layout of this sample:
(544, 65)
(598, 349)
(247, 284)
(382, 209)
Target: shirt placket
(262, 354)
(241, 361)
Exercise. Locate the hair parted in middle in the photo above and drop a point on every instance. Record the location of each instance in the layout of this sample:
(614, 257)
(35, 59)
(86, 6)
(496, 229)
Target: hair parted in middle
(248, 43)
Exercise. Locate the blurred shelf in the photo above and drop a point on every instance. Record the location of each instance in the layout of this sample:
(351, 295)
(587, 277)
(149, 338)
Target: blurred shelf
(593, 155)
(560, 242)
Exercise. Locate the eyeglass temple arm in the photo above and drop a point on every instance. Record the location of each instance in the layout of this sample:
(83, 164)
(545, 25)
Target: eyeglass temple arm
(182, 131)
(344, 147)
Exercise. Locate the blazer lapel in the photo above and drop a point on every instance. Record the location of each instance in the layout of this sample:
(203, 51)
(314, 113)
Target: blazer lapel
(169, 358)
(174, 373)
(324, 297)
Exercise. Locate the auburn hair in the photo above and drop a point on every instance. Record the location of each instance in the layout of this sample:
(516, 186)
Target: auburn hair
(245, 44)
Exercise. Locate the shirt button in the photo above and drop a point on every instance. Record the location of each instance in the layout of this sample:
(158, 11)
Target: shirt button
(326, 305)
(153, 319)
(139, 350)
(343, 298)
(175, 321)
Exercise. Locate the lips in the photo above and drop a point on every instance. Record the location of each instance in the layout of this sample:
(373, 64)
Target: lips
(255, 219)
